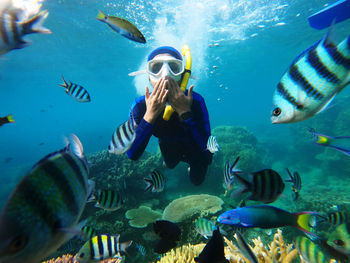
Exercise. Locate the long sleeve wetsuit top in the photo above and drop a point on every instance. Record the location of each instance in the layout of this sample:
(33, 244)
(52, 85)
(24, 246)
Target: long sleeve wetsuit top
(195, 131)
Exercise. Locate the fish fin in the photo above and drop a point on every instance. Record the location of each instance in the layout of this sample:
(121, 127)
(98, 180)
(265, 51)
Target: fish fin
(76, 147)
(10, 118)
(347, 152)
(303, 221)
(35, 24)
(75, 230)
(65, 85)
(91, 188)
(139, 72)
(101, 16)
(245, 186)
(326, 105)
(125, 245)
(149, 184)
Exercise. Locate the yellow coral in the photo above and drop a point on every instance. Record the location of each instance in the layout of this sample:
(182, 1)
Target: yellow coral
(277, 251)
(70, 259)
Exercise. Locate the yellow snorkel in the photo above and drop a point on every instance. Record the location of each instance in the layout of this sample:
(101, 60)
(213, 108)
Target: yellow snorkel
(187, 53)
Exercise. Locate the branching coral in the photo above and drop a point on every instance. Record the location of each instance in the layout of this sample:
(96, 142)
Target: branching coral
(70, 259)
(277, 251)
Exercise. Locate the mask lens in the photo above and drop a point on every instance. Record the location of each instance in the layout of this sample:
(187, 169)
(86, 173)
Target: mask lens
(175, 67)
(156, 67)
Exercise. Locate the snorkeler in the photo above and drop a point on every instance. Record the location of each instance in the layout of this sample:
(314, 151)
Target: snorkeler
(183, 137)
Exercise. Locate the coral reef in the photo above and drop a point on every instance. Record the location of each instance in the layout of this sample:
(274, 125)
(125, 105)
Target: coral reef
(108, 170)
(70, 259)
(277, 251)
(185, 207)
(142, 216)
(237, 141)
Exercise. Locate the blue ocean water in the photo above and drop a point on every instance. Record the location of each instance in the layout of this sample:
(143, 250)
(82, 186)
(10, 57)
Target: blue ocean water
(240, 50)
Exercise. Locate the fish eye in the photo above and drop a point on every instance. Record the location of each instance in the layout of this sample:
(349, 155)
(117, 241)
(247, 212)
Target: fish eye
(339, 242)
(276, 112)
(82, 255)
(17, 244)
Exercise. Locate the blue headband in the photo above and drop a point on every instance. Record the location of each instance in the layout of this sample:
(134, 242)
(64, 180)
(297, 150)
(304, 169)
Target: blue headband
(165, 50)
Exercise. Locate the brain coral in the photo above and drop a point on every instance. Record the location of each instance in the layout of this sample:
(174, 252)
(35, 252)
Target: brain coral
(185, 207)
(142, 216)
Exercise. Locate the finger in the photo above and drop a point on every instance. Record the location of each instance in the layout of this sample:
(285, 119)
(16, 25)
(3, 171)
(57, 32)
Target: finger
(189, 94)
(157, 88)
(164, 96)
(147, 93)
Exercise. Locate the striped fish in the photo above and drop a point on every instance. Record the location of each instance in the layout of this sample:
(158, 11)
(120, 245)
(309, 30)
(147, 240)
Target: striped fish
(12, 28)
(141, 249)
(108, 199)
(123, 137)
(212, 144)
(101, 247)
(244, 248)
(205, 227)
(309, 251)
(296, 183)
(43, 211)
(265, 186)
(87, 232)
(229, 173)
(76, 91)
(155, 182)
(339, 239)
(312, 81)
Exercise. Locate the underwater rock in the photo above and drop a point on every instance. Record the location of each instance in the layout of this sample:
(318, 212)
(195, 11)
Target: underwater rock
(142, 216)
(185, 207)
(276, 251)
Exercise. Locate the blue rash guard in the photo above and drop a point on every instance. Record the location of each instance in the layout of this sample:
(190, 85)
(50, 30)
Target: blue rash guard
(178, 140)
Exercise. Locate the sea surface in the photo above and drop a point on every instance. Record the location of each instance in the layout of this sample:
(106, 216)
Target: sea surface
(240, 50)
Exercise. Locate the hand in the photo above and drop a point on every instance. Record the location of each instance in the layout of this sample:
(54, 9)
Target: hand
(155, 102)
(177, 99)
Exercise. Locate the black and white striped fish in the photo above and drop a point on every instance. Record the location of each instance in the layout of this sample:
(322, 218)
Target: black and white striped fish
(212, 144)
(155, 182)
(123, 137)
(76, 91)
(108, 199)
(229, 172)
(296, 183)
(42, 212)
(312, 81)
(12, 28)
(244, 248)
(101, 247)
(265, 186)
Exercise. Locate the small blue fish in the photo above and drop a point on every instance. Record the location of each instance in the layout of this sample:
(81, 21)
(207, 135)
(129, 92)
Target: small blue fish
(265, 216)
(122, 26)
(339, 143)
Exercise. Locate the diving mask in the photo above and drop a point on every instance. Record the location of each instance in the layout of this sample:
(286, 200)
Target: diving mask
(165, 65)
